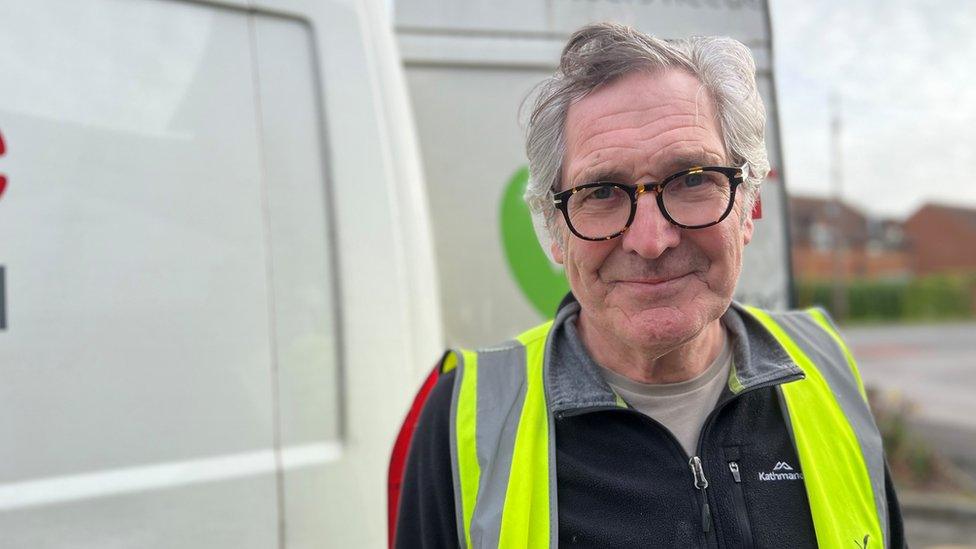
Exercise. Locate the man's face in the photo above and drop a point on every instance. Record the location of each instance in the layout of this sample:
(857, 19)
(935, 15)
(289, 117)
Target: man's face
(657, 285)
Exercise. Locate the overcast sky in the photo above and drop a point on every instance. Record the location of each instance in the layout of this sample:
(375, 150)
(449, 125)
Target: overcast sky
(905, 72)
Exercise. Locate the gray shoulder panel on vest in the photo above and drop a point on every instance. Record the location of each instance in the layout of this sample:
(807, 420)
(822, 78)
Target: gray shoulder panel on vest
(830, 360)
(501, 393)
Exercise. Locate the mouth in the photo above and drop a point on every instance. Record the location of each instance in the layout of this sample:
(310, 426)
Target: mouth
(654, 280)
(655, 285)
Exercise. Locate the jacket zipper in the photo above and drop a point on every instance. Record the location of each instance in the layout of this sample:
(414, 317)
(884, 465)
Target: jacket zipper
(701, 483)
(739, 503)
(734, 467)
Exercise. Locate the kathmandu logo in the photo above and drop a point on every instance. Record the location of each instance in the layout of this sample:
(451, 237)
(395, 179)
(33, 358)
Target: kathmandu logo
(781, 471)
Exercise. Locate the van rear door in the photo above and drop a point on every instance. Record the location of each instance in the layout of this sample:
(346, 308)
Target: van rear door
(216, 275)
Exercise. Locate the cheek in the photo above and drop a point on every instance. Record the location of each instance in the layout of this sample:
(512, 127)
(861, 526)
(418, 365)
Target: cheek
(584, 259)
(724, 252)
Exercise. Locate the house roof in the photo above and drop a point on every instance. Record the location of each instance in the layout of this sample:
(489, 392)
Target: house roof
(964, 218)
(807, 212)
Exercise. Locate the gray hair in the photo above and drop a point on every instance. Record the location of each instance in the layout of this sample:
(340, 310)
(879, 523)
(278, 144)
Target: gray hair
(600, 54)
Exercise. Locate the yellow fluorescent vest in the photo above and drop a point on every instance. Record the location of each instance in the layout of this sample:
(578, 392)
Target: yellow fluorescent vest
(503, 450)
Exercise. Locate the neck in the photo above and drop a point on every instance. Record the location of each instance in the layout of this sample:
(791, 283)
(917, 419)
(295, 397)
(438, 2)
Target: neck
(654, 364)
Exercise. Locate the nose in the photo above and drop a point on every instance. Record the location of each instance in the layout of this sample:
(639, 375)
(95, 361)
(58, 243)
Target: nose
(650, 234)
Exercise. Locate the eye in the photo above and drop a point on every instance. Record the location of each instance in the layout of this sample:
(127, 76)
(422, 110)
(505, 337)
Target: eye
(697, 182)
(599, 198)
(693, 180)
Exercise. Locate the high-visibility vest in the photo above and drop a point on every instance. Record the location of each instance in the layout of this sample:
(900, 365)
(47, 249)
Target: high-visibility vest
(503, 452)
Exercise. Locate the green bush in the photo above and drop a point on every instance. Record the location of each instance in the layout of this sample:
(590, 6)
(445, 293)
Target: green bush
(939, 297)
(936, 297)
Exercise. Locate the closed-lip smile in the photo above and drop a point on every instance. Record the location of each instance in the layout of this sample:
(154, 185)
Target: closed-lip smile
(652, 281)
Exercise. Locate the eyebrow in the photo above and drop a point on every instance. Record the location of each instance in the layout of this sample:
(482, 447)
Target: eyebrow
(681, 163)
(604, 174)
(673, 166)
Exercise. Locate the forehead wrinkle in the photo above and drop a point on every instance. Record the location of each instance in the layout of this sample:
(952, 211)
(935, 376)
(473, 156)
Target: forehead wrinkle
(611, 122)
(640, 156)
(607, 113)
(600, 120)
(601, 127)
(703, 140)
(596, 133)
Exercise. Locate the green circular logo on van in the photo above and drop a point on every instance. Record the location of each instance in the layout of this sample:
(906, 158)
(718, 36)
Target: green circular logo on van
(541, 282)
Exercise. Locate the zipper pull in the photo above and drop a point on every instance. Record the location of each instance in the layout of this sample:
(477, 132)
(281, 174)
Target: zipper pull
(696, 469)
(734, 467)
(701, 483)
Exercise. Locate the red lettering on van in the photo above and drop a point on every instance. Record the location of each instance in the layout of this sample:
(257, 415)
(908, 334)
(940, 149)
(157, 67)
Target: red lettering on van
(3, 178)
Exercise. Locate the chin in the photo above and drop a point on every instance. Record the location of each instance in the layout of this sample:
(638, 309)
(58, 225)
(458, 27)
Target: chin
(664, 325)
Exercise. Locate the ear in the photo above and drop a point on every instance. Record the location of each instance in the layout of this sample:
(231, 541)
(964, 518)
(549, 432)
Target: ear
(557, 252)
(747, 229)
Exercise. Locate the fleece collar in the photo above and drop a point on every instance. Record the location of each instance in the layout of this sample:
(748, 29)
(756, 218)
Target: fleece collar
(574, 383)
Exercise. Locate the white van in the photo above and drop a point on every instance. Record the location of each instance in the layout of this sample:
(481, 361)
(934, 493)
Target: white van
(218, 290)
(218, 283)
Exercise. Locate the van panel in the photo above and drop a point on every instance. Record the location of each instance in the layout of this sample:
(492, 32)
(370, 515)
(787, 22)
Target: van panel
(138, 350)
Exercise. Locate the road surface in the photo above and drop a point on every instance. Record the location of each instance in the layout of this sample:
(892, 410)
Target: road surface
(933, 366)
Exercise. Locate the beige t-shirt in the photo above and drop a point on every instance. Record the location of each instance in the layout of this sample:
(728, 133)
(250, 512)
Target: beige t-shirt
(681, 407)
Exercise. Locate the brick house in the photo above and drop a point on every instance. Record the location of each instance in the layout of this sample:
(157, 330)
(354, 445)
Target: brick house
(862, 248)
(942, 239)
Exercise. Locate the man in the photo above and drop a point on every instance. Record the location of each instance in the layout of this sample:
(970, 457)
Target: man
(653, 411)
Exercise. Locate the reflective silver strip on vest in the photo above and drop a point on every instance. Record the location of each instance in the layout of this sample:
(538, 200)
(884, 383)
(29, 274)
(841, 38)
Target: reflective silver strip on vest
(501, 394)
(831, 362)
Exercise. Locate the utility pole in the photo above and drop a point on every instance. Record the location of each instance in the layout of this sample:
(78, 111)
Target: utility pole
(839, 239)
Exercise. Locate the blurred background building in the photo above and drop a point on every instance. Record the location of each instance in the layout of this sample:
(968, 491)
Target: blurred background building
(934, 239)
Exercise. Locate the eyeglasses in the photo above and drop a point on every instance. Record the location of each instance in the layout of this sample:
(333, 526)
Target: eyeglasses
(691, 199)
